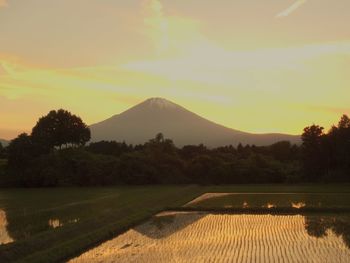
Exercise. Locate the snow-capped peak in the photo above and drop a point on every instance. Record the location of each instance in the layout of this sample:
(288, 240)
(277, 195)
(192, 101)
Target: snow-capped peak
(161, 103)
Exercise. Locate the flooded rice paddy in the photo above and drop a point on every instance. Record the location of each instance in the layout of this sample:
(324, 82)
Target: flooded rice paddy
(208, 237)
(4, 235)
(230, 237)
(249, 230)
(271, 200)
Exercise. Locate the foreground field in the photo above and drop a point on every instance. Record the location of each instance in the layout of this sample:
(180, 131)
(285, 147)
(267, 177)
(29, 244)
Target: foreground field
(203, 237)
(52, 225)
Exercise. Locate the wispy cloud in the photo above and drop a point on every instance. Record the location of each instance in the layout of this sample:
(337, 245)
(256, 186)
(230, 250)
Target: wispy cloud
(169, 33)
(291, 9)
(157, 23)
(3, 3)
(215, 65)
(330, 109)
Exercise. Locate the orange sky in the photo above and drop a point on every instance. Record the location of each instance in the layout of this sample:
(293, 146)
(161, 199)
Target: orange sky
(257, 66)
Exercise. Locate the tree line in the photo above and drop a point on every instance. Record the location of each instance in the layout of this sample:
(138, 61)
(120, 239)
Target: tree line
(56, 154)
(326, 156)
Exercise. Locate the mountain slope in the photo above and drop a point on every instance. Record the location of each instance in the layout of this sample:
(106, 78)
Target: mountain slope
(143, 121)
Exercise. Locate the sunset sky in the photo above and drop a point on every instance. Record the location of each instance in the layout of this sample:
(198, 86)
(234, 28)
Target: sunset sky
(253, 65)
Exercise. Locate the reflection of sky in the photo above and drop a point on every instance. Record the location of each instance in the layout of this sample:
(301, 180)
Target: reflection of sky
(4, 235)
(298, 205)
(271, 200)
(54, 222)
(222, 238)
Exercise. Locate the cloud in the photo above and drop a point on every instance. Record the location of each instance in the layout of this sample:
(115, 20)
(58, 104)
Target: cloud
(184, 52)
(3, 3)
(170, 34)
(291, 9)
(330, 109)
(2, 69)
(210, 63)
(157, 24)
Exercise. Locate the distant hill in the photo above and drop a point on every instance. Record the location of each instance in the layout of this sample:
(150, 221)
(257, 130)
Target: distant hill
(4, 142)
(143, 121)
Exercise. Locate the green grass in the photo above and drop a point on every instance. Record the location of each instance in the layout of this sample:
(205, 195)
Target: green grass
(101, 212)
(90, 216)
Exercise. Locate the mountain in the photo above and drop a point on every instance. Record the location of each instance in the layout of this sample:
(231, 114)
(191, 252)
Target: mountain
(143, 121)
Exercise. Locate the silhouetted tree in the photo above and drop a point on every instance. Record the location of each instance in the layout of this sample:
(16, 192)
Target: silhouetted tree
(282, 150)
(21, 151)
(159, 138)
(1, 151)
(344, 122)
(243, 151)
(240, 148)
(206, 169)
(109, 148)
(60, 128)
(190, 151)
(313, 152)
(34, 162)
(136, 168)
(160, 145)
(338, 143)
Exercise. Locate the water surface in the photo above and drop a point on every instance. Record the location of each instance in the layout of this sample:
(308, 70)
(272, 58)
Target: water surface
(271, 200)
(206, 237)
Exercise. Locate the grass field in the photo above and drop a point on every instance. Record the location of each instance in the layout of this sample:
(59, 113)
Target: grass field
(53, 225)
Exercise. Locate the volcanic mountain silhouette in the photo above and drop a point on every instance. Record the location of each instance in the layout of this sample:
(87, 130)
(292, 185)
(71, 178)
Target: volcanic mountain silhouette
(143, 121)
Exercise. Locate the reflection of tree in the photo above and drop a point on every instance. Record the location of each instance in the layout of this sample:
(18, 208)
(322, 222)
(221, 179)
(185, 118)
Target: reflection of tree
(164, 225)
(317, 226)
(162, 221)
(4, 235)
(21, 226)
(24, 222)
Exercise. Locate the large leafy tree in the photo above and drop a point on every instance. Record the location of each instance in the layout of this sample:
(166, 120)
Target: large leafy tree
(60, 128)
(20, 151)
(339, 138)
(313, 152)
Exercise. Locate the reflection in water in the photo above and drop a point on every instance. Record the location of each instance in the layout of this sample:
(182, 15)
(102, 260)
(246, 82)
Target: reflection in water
(298, 205)
(54, 223)
(207, 196)
(164, 225)
(162, 220)
(269, 205)
(4, 235)
(203, 237)
(278, 200)
(320, 226)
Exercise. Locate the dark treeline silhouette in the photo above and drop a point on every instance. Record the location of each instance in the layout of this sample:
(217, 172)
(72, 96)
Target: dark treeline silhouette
(326, 156)
(55, 154)
(2, 151)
